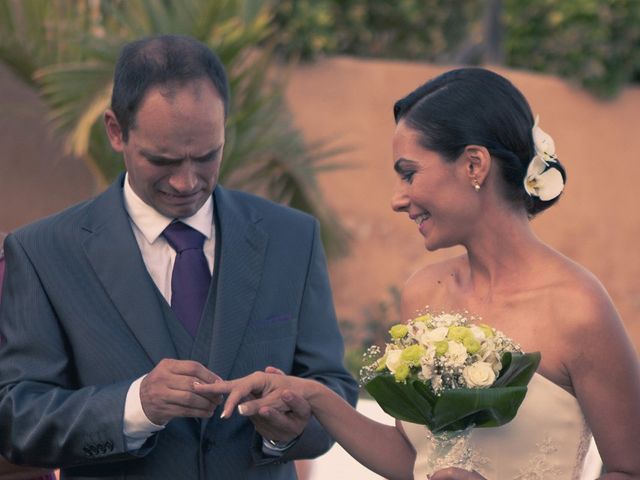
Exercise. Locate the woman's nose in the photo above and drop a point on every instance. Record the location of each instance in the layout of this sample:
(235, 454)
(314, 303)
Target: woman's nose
(399, 201)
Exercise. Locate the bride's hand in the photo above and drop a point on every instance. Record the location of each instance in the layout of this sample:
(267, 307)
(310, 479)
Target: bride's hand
(453, 473)
(252, 394)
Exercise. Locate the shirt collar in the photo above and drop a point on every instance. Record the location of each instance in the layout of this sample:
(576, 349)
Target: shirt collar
(152, 223)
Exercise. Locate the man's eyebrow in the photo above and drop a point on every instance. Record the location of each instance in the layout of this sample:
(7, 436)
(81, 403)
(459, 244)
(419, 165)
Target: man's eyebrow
(210, 153)
(402, 163)
(163, 158)
(158, 158)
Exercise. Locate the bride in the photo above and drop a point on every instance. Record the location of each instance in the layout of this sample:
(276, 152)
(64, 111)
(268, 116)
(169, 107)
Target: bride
(473, 168)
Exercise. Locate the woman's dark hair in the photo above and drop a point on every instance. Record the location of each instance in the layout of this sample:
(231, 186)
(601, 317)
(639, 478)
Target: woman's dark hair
(161, 60)
(474, 106)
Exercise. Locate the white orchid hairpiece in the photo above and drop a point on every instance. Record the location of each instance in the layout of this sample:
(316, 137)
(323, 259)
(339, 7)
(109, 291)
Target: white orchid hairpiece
(543, 179)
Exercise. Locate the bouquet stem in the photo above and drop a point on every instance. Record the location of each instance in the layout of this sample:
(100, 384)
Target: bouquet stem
(450, 449)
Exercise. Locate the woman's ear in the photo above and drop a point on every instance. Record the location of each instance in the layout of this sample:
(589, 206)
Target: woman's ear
(476, 160)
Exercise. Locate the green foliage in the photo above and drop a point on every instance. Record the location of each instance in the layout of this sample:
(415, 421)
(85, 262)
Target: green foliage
(594, 42)
(68, 49)
(414, 29)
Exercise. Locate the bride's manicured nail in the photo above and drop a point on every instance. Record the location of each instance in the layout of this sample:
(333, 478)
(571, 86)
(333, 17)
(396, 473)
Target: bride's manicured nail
(223, 415)
(241, 409)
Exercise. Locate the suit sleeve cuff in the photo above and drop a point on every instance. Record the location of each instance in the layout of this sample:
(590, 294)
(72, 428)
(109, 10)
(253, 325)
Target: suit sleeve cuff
(137, 427)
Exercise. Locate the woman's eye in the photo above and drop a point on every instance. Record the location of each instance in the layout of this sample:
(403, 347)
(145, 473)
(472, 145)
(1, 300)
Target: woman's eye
(407, 176)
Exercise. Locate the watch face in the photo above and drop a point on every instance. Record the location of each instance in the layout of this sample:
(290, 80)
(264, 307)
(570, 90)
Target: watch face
(280, 445)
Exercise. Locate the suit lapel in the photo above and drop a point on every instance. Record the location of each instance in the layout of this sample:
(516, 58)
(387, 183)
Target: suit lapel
(242, 249)
(113, 252)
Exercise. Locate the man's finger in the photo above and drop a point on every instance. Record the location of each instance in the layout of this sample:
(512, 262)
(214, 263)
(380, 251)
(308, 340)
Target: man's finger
(298, 405)
(192, 369)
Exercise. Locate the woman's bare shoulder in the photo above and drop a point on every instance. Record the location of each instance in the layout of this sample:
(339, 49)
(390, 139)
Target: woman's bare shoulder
(430, 286)
(581, 297)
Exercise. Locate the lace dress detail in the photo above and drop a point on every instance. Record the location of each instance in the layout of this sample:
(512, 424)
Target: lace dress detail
(539, 467)
(547, 440)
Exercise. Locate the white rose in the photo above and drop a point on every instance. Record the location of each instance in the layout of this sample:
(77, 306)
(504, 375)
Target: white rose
(479, 375)
(489, 355)
(457, 353)
(478, 333)
(435, 335)
(393, 359)
(427, 368)
(416, 330)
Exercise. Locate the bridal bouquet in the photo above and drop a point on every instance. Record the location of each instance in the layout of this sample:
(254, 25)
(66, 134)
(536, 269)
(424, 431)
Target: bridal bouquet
(450, 374)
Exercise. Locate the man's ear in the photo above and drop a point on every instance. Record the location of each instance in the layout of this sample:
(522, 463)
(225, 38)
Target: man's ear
(476, 160)
(114, 131)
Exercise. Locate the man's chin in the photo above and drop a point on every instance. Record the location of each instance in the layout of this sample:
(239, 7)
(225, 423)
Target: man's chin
(179, 211)
(179, 207)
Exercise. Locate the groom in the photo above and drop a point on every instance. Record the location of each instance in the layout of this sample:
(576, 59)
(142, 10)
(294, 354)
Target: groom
(115, 308)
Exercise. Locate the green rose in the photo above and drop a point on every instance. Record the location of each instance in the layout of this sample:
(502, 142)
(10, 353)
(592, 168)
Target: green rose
(381, 364)
(441, 347)
(411, 355)
(458, 334)
(402, 372)
(426, 318)
(471, 344)
(399, 331)
(488, 331)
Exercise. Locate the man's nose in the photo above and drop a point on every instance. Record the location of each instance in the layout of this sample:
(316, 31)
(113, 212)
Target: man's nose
(185, 179)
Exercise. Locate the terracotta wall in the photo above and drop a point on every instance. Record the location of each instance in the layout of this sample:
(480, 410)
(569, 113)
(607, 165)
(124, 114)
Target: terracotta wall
(348, 102)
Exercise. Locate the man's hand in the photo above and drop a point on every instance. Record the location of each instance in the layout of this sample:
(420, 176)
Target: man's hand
(283, 426)
(279, 426)
(274, 402)
(168, 391)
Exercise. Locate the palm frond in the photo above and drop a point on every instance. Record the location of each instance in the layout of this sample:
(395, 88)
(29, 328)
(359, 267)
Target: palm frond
(67, 49)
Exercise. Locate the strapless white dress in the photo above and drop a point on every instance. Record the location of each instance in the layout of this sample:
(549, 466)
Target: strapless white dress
(548, 439)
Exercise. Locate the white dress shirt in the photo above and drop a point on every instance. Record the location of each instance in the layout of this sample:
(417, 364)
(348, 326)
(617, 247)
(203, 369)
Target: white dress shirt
(148, 225)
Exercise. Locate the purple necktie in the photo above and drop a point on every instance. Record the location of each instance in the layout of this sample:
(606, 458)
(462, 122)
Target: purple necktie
(191, 277)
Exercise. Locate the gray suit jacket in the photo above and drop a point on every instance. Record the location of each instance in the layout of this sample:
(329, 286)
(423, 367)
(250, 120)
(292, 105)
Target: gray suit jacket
(83, 319)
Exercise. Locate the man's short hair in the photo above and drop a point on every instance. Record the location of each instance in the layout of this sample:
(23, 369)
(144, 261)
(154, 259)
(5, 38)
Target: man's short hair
(161, 60)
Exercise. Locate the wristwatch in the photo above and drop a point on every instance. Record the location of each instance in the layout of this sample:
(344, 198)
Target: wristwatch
(280, 446)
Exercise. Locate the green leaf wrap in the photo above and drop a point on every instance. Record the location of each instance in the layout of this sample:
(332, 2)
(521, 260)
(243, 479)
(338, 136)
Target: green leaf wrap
(457, 409)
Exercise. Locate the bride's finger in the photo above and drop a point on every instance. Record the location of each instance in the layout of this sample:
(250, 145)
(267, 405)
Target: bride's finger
(274, 370)
(243, 388)
(218, 388)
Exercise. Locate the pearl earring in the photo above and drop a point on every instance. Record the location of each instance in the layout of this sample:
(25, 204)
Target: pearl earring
(476, 185)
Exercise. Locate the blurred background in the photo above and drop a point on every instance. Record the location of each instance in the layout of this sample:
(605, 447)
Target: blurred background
(313, 84)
